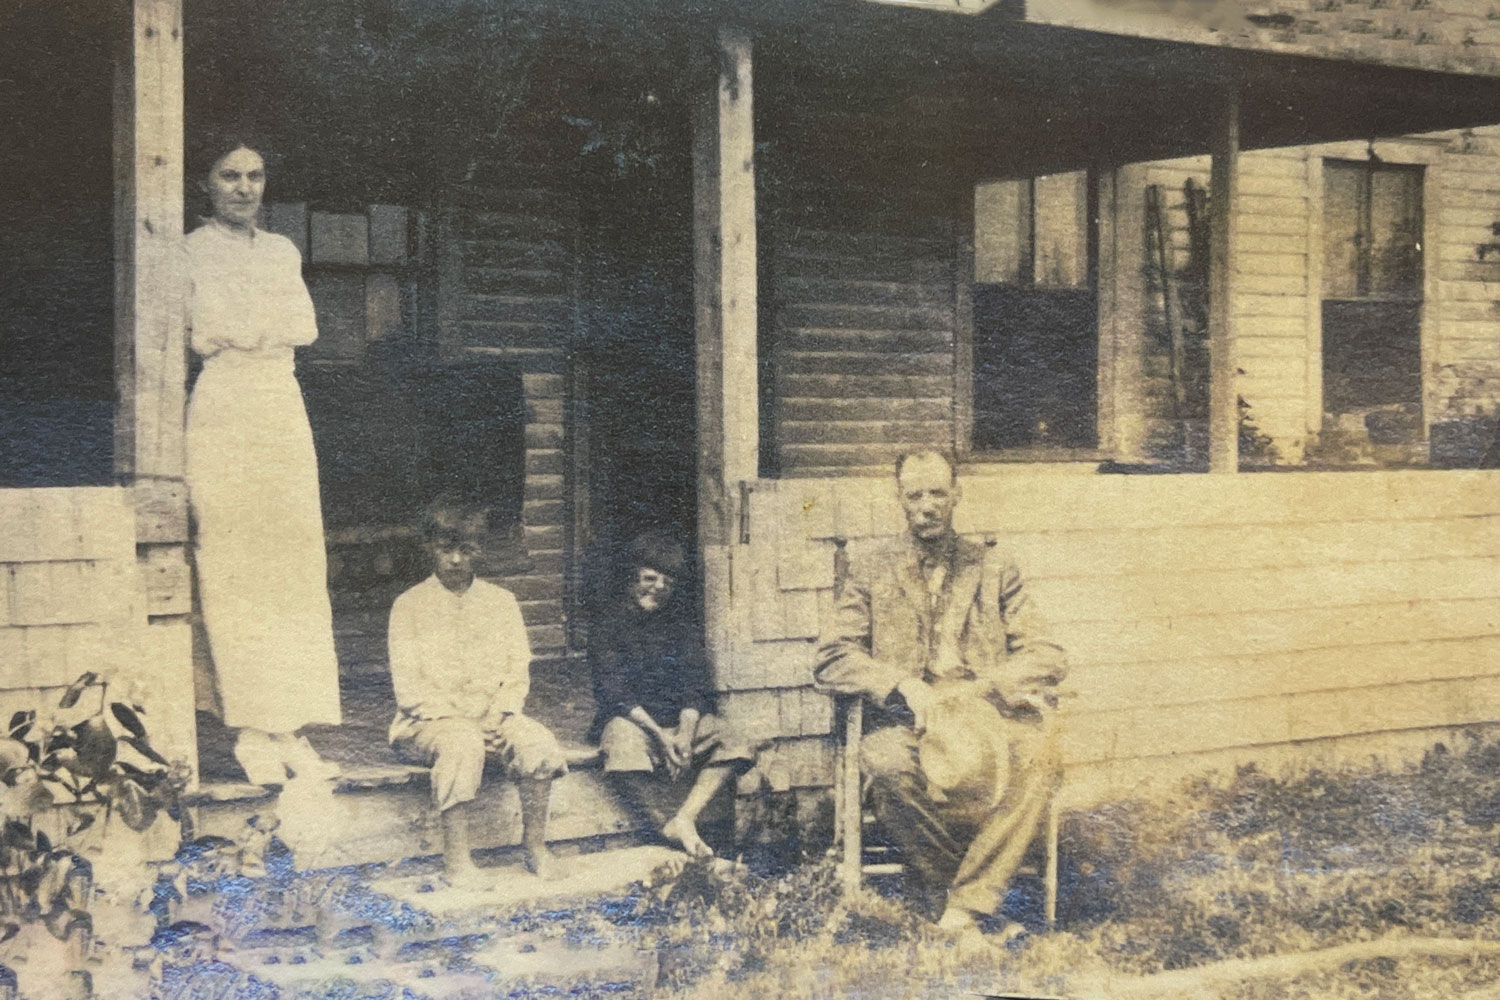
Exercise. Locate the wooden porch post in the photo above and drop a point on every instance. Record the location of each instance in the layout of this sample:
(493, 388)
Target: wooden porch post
(724, 282)
(150, 356)
(150, 353)
(1223, 191)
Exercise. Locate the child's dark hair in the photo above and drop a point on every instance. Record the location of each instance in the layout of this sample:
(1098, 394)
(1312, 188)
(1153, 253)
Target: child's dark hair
(451, 517)
(660, 550)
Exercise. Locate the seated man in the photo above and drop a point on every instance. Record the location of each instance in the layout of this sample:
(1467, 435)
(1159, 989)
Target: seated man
(936, 633)
(651, 684)
(461, 668)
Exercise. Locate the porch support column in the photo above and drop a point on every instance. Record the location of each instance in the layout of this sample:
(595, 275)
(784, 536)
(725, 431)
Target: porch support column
(1223, 191)
(150, 353)
(724, 282)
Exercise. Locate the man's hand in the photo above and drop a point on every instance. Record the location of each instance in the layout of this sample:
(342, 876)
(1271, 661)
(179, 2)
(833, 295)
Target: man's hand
(491, 724)
(677, 745)
(919, 697)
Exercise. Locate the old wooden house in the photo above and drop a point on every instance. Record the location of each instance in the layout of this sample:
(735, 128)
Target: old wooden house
(1205, 305)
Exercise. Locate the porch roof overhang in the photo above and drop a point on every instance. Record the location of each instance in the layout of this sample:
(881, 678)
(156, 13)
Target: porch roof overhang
(1021, 88)
(1002, 95)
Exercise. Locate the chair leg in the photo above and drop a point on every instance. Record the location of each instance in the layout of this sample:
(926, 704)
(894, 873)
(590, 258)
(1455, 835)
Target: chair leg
(851, 806)
(1050, 905)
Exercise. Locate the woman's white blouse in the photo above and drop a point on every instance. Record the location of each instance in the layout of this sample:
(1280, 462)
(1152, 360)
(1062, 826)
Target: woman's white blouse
(245, 292)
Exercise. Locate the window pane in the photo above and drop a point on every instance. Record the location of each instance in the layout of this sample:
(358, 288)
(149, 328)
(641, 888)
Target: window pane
(1343, 214)
(1396, 232)
(1002, 231)
(1036, 358)
(1061, 230)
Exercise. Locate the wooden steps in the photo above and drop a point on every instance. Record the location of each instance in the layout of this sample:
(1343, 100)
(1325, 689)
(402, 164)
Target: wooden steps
(382, 813)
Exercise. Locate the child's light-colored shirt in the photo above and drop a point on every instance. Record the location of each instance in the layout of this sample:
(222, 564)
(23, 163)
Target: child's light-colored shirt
(457, 655)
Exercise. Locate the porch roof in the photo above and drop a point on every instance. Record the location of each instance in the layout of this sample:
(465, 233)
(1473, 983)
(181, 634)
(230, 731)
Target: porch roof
(842, 80)
(998, 95)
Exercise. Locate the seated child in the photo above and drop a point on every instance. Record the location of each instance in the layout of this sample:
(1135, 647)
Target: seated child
(461, 668)
(651, 683)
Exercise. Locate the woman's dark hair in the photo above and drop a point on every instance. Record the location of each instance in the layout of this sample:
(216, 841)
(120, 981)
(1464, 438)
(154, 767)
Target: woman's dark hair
(212, 146)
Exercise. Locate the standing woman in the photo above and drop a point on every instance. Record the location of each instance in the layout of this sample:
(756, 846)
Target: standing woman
(252, 480)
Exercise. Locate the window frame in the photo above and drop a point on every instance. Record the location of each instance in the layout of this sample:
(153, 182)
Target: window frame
(1424, 152)
(1098, 270)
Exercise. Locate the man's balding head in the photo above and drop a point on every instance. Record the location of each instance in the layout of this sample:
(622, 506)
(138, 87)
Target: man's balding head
(927, 484)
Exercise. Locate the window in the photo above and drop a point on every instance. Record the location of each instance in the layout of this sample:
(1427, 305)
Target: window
(364, 272)
(1372, 295)
(1035, 314)
(393, 423)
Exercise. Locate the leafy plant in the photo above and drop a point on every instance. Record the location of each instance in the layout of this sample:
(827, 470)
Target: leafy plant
(64, 777)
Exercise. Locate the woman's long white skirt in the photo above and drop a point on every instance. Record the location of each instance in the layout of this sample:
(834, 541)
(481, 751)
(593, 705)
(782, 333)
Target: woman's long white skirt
(252, 479)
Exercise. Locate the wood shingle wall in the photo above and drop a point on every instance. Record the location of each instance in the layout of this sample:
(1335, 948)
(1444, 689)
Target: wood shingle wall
(1200, 614)
(74, 602)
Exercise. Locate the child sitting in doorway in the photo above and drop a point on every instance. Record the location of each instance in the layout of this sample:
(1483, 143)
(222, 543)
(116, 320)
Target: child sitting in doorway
(461, 669)
(655, 720)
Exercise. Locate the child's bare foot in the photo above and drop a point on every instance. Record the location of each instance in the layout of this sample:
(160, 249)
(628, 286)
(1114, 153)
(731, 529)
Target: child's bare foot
(683, 832)
(544, 864)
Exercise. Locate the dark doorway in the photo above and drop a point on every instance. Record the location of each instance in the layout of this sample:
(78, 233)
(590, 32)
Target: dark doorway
(636, 353)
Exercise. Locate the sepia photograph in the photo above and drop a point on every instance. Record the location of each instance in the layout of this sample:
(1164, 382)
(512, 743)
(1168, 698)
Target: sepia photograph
(693, 499)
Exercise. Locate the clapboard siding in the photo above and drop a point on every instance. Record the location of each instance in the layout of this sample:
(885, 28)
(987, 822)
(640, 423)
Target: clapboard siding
(1271, 303)
(859, 298)
(1278, 282)
(517, 300)
(74, 601)
(1200, 613)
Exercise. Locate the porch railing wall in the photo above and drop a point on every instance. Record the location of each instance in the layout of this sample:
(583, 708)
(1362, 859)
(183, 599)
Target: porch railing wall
(74, 601)
(1201, 613)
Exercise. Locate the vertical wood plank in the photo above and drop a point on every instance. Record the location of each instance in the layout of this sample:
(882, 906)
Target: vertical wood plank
(1314, 351)
(725, 287)
(963, 325)
(1223, 408)
(150, 350)
(1430, 318)
(727, 333)
(1104, 297)
(576, 436)
(450, 289)
(1127, 318)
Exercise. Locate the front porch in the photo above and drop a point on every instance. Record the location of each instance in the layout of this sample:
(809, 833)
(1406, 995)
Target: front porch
(822, 298)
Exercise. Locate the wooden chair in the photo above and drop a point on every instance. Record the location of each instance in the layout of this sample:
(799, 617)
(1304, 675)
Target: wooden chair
(851, 817)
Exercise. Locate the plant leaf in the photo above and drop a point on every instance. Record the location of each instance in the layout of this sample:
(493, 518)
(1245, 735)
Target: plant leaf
(137, 809)
(84, 822)
(13, 754)
(18, 835)
(11, 930)
(43, 842)
(75, 690)
(18, 720)
(145, 750)
(128, 719)
(96, 748)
